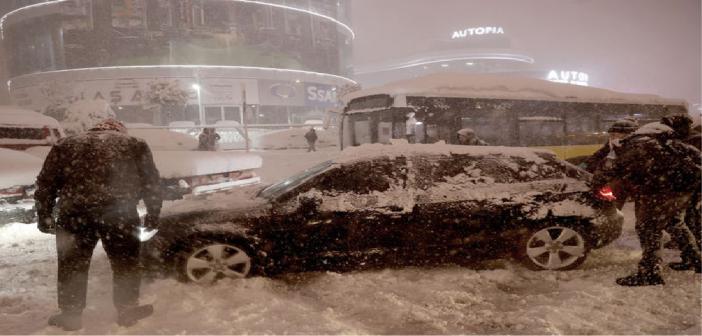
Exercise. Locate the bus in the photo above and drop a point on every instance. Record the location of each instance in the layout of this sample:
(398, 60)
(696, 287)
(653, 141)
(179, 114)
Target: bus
(570, 120)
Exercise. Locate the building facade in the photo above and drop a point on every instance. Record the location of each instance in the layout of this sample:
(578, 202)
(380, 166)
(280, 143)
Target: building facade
(171, 61)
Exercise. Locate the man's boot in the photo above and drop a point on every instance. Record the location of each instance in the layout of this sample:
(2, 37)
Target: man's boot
(68, 321)
(641, 279)
(129, 316)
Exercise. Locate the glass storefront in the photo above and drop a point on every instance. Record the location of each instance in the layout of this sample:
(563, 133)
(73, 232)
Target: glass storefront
(99, 33)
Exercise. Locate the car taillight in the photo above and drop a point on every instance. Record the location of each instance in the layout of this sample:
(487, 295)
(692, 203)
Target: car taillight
(606, 194)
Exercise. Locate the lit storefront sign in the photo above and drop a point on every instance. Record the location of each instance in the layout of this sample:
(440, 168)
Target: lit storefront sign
(320, 95)
(569, 77)
(477, 31)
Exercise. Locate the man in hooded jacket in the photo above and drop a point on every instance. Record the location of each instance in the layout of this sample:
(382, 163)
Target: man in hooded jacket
(662, 172)
(98, 177)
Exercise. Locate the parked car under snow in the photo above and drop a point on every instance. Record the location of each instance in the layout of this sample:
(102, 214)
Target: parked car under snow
(18, 171)
(397, 202)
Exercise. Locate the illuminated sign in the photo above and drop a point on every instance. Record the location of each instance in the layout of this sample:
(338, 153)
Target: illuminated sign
(320, 95)
(475, 31)
(569, 77)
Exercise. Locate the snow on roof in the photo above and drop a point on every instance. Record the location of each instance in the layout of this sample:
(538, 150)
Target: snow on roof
(506, 87)
(174, 164)
(163, 139)
(18, 168)
(19, 117)
(402, 148)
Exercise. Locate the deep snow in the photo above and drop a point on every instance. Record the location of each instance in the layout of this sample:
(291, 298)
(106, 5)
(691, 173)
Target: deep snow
(495, 297)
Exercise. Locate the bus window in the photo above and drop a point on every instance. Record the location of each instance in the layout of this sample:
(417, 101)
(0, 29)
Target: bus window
(384, 132)
(361, 132)
(541, 131)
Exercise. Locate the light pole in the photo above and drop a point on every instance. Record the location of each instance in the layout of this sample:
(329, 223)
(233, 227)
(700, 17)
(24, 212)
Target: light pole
(200, 112)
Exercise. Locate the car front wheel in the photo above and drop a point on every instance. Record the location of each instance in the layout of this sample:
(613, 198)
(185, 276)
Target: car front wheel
(211, 260)
(555, 248)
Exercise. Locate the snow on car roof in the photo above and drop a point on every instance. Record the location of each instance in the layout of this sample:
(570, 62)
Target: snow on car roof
(175, 164)
(402, 148)
(19, 117)
(505, 87)
(18, 168)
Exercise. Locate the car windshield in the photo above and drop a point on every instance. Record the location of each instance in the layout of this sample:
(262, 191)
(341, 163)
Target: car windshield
(289, 183)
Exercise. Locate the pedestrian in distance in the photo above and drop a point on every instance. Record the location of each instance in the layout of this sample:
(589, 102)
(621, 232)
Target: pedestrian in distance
(98, 178)
(466, 136)
(311, 137)
(207, 141)
(603, 157)
(663, 172)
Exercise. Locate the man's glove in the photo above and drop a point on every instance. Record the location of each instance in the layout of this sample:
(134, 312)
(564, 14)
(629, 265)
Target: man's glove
(46, 225)
(151, 222)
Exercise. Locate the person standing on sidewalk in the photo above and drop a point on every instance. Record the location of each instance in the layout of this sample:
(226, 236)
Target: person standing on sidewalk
(311, 137)
(98, 177)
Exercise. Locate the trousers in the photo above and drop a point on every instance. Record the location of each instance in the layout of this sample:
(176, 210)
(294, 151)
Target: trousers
(655, 213)
(117, 231)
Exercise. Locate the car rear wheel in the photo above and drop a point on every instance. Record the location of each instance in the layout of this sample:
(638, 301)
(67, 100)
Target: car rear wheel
(556, 248)
(211, 260)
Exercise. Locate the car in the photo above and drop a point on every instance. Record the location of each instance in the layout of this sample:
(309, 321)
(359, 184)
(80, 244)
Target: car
(397, 202)
(18, 170)
(21, 129)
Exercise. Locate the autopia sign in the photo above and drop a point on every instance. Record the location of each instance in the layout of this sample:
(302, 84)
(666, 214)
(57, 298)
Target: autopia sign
(477, 31)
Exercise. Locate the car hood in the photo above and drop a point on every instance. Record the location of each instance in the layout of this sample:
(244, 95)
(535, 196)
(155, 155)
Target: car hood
(240, 203)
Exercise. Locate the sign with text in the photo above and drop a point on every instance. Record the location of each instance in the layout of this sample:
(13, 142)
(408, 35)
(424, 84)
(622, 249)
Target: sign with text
(320, 95)
(569, 77)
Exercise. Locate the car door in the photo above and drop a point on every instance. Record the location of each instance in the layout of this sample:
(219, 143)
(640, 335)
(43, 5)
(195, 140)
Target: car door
(348, 207)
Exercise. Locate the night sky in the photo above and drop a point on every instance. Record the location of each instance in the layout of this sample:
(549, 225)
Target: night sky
(640, 46)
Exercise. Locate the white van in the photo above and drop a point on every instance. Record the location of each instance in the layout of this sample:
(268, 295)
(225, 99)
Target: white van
(21, 128)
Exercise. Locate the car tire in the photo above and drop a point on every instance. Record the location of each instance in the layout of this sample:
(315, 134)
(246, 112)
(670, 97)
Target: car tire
(207, 260)
(554, 248)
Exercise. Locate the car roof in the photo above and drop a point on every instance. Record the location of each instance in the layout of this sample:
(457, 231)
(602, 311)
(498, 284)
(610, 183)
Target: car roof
(402, 148)
(18, 117)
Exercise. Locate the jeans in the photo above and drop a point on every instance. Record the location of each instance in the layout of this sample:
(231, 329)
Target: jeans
(117, 230)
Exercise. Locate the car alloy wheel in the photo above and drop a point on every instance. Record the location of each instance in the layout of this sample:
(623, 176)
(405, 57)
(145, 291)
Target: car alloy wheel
(214, 261)
(556, 248)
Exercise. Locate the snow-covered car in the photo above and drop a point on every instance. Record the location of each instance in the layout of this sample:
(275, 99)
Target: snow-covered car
(18, 170)
(393, 202)
(185, 170)
(21, 129)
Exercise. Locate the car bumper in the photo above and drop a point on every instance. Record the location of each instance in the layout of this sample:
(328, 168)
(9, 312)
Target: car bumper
(607, 227)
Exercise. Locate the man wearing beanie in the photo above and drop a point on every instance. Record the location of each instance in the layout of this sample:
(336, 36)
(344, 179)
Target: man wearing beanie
(605, 155)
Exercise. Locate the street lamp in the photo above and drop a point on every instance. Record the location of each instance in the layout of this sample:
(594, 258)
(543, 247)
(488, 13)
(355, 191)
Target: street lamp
(199, 103)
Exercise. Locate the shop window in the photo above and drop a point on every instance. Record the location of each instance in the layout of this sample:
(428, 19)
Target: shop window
(212, 114)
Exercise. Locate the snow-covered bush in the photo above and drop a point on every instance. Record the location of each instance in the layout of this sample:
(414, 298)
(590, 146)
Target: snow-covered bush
(166, 93)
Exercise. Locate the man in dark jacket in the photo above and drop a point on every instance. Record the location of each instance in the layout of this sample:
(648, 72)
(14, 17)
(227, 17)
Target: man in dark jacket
(466, 136)
(311, 137)
(663, 173)
(685, 129)
(98, 177)
(619, 130)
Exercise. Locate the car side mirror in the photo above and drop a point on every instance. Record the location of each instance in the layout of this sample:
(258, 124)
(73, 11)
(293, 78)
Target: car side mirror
(309, 204)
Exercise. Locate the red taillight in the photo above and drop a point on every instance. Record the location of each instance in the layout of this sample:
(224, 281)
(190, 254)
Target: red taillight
(606, 194)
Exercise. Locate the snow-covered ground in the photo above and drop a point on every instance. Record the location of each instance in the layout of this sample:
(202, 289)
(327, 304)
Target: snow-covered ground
(498, 297)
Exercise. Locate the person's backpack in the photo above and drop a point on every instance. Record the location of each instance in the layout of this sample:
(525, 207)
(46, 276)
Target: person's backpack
(684, 171)
(657, 165)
